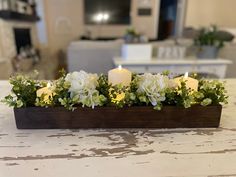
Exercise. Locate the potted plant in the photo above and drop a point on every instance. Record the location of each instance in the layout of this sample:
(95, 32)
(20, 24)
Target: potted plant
(209, 41)
(131, 36)
(136, 46)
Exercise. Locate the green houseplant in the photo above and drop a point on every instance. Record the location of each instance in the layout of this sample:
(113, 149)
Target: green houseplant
(209, 41)
(131, 36)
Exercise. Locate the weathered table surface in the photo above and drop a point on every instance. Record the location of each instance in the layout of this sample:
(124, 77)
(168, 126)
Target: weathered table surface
(119, 153)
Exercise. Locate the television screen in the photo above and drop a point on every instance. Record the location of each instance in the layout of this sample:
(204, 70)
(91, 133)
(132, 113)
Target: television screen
(107, 11)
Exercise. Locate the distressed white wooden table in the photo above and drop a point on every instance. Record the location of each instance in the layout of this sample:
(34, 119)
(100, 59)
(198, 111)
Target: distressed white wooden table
(119, 153)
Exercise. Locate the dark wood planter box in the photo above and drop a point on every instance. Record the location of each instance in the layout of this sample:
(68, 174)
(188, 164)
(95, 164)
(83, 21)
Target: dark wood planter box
(111, 117)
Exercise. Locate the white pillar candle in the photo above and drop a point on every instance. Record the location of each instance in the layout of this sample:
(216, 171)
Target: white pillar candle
(190, 82)
(119, 76)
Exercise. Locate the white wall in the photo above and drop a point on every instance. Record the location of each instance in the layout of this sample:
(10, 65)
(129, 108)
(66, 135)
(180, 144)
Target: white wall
(206, 12)
(41, 25)
(64, 22)
(146, 24)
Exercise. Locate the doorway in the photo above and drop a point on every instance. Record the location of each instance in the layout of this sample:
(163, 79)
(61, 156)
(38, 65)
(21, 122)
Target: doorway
(167, 19)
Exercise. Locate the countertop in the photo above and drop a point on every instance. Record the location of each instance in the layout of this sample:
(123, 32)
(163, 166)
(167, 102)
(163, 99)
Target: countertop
(155, 61)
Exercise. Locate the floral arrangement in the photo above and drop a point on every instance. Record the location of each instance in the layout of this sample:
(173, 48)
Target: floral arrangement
(85, 89)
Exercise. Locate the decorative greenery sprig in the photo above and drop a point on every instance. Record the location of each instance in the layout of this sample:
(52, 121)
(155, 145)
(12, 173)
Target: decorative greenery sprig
(23, 91)
(211, 92)
(182, 96)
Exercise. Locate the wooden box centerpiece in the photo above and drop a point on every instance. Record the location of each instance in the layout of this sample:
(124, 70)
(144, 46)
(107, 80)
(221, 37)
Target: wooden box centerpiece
(111, 117)
(121, 100)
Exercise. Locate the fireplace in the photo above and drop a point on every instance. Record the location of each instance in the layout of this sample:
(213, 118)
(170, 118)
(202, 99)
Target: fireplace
(22, 38)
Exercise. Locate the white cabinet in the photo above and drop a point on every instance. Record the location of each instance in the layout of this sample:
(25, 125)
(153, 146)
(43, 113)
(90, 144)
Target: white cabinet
(217, 67)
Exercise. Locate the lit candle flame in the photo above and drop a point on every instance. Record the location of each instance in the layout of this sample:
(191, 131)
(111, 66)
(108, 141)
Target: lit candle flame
(186, 75)
(119, 67)
(48, 84)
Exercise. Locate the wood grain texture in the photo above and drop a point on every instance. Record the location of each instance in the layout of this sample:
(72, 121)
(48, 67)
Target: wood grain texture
(111, 117)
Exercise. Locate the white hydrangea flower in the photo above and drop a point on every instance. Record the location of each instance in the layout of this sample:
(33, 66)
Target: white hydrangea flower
(154, 86)
(83, 85)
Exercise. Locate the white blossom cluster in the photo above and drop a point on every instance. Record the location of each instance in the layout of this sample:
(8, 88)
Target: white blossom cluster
(154, 86)
(83, 87)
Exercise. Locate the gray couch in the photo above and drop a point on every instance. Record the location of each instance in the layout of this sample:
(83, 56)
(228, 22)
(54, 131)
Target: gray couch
(93, 56)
